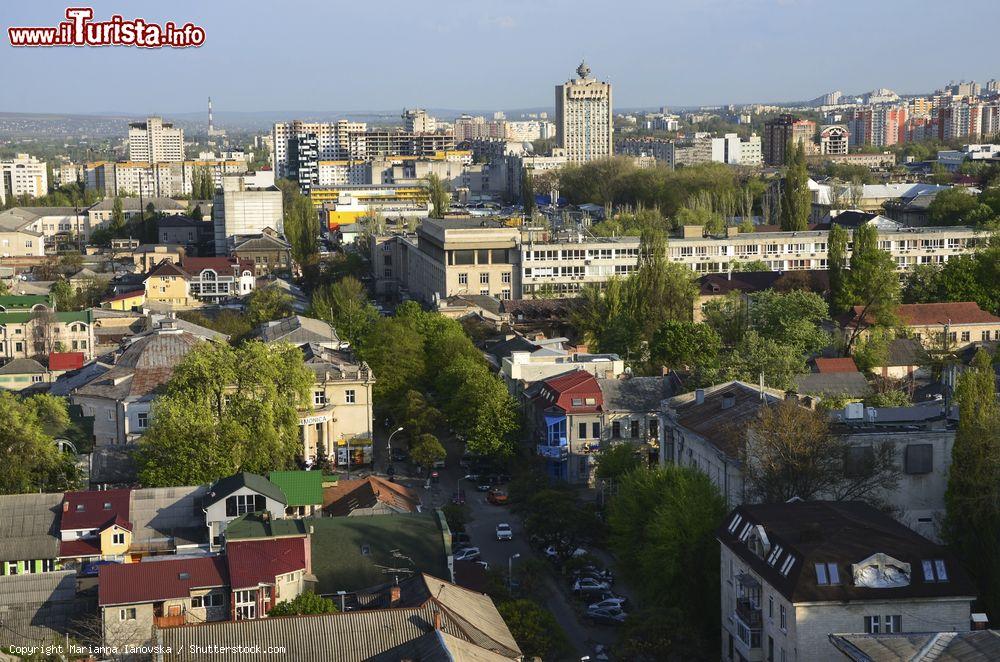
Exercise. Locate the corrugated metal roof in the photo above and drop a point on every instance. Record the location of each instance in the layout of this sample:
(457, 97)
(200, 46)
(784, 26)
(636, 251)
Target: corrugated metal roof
(151, 581)
(29, 526)
(36, 608)
(254, 562)
(91, 509)
(301, 488)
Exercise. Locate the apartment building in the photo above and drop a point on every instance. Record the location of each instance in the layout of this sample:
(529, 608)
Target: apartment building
(161, 179)
(780, 132)
(332, 141)
(584, 123)
(154, 141)
(22, 175)
(46, 222)
(794, 573)
(834, 139)
(416, 120)
(878, 126)
(245, 205)
(661, 149)
(30, 326)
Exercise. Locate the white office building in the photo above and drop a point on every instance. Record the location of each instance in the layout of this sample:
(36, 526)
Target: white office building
(22, 175)
(584, 124)
(154, 141)
(245, 206)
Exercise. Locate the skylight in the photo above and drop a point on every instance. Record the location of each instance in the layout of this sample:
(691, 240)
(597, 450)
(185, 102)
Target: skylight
(934, 570)
(827, 574)
(775, 555)
(786, 567)
(735, 523)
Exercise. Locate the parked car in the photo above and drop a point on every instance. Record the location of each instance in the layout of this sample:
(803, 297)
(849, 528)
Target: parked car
(608, 603)
(458, 498)
(438, 465)
(467, 554)
(399, 455)
(589, 585)
(497, 497)
(597, 573)
(606, 616)
(504, 532)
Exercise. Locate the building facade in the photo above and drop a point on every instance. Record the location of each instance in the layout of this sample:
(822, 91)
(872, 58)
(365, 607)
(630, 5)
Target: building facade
(23, 175)
(154, 141)
(244, 208)
(584, 120)
(782, 131)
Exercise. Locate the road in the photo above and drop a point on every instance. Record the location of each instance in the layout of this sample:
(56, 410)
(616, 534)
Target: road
(483, 519)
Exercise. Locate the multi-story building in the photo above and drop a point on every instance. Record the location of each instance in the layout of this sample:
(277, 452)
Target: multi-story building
(661, 149)
(67, 173)
(878, 126)
(267, 252)
(332, 141)
(245, 205)
(416, 120)
(46, 222)
(154, 141)
(162, 179)
(584, 125)
(31, 326)
(794, 573)
(834, 139)
(100, 213)
(939, 326)
(963, 119)
(23, 175)
(780, 132)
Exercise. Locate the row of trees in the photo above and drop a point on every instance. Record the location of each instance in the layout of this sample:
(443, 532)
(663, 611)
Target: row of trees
(962, 278)
(959, 206)
(301, 228)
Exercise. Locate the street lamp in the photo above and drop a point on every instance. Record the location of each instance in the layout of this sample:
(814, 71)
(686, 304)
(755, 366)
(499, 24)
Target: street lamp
(388, 447)
(510, 571)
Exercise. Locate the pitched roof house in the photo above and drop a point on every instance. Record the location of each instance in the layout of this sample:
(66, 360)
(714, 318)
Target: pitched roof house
(371, 495)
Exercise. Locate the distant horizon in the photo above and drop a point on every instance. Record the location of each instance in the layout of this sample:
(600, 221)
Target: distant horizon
(491, 54)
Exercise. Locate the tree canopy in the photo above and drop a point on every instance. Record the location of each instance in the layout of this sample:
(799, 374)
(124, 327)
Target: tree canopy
(28, 427)
(796, 198)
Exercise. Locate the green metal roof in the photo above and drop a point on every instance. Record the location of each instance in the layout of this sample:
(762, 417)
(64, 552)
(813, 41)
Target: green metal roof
(252, 526)
(24, 301)
(84, 316)
(302, 488)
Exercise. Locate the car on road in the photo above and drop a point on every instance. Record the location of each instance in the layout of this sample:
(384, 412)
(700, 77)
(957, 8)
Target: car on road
(467, 554)
(609, 603)
(497, 497)
(607, 616)
(589, 585)
(458, 498)
(504, 532)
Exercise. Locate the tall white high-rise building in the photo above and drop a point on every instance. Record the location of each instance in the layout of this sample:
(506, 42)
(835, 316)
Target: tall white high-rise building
(416, 120)
(583, 117)
(155, 141)
(23, 175)
(333, 141)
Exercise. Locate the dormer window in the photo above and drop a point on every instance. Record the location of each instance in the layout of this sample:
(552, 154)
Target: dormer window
(79, 507)
(577, 402)
(881, 571)
(107, 505)
(934, 570)
(745, 532)
(827, 574)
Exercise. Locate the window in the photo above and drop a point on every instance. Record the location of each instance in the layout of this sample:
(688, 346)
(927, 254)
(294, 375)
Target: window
(965, 336)
(484, 279)
(241, 504)
(127, 614)
(892, 624)
(616, 429)
(770, 606)
(111, 415)
(505, 278)
(583, 431)
(595, 431)
(919, 459)
(736, 522)
(463, 279)
(784, 619)
(827, 574)
(350, 396)
(775, 555)
(246, 604)
(770, 649)
(934, 570)
(872, 624)
(118, 539)
(142, 420)
(985, 335)
(207, 600)
(319, 398)
(577, 402)
(786, 567)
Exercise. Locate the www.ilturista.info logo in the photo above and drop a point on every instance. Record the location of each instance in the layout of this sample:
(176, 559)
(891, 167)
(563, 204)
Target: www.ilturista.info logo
(80, 30)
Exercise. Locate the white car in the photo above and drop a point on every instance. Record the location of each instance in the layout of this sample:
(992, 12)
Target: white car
(504, 532)
(589, 585)
(467, 554)
(609, 603)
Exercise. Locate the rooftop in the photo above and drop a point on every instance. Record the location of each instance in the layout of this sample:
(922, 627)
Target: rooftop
(223, 487)
(153, 581)
(254, 562)
(350, 495)
(725, 412)
(93, 509)
(935, 314)
(297, 330)
(302, 488)
(974, 646)
(29, 526)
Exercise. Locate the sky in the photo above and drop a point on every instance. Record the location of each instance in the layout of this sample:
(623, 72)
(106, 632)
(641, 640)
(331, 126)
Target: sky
(325, 55)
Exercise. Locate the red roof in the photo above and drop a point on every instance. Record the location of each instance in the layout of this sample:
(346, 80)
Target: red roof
(120, 522)
(66, 360)
(226, 265)
(151, 581)
(578, 385)
(836, 365)
(94, 509)
(124, 295)
(938, 314)
(79, 548)
(167, 268)
(254, 562)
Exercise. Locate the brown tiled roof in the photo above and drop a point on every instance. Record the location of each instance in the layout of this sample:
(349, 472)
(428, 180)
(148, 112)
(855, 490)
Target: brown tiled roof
(348, 495)
(935, 314)
(93, 509)
(845, 364)
(756, 281)
(82, 547)
(152, 581)
(167, 268)
(253, 562)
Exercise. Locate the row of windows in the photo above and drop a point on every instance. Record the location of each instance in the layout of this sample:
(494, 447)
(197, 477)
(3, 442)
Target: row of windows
(320, 400)
(484, 278)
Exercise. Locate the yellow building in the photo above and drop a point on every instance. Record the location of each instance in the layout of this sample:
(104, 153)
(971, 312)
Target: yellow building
(168, 285)
(127, 301)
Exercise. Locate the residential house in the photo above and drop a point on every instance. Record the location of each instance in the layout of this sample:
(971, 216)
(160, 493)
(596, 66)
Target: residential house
(974, 646)
(420, 618)
(372, 495)
(94, 526)
(147, 256)
(29, 533)
(521, 369)
(267, 252)
(303, 491)
(351, 553)
(168, 520)
(706, 429)
(136, 597)
(631, 413)
(906, 358)
(298, 330)
(197, 237)
(217, 279)
(266, 572)
(16, 240)
(716, 286)
(937, 326)
(793, 573)
(566, 415)
(167, 286)
(120, 399)
(236, 495)
(24, 374)
(483, 307)
(133, 300)
(30, 326)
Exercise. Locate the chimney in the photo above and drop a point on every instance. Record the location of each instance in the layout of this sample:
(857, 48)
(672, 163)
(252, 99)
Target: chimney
(791, 395)
(979, 622)
(699, 396)
(728, 400)
(437, 620)
(394, 595)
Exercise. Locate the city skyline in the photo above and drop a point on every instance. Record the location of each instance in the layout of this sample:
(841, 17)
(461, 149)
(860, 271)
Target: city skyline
(687, 54)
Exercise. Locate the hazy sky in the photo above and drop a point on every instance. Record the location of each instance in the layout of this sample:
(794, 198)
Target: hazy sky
(485, 54)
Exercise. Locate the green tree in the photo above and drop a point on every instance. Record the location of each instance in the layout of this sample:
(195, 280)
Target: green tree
(662, 526)
(535, 629)
(756, 354)
(951, 206)
(63, 295)
(226, 410)
(683, 345)
(417, 415)
(796, 198)
(426, 450)
(440, 198)
(874, 285)
(528, 192)
(345, 305)
(300, 226)
(117, 216)
(395, 353)
(28, 428)
(793, 318)
(266, 304)
(840, 294)
(304, 603)
(972, 499)
(617, 461)
(556, 517)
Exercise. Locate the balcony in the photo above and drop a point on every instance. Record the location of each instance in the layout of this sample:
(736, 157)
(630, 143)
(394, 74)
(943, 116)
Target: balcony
(553, 452)
(172, 621)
